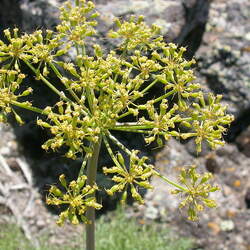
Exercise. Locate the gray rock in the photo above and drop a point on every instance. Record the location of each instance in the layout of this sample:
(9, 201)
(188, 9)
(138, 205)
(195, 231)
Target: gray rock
(151, 213)
(224, 59)
(227, 225)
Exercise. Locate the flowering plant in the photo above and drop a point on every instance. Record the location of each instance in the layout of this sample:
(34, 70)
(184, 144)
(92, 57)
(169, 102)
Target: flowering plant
(99, 91)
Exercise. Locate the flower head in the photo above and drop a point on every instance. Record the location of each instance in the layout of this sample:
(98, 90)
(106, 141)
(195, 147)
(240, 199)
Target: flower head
(138, 174)
(196, 195)
(76, 199)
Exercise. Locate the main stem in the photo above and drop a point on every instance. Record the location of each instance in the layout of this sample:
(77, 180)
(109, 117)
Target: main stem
(90, 213)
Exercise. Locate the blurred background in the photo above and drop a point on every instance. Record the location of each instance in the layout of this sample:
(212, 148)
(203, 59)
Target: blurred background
(217, 34)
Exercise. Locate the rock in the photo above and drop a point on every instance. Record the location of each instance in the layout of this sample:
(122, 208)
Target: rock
(191, 148)
(151, 213)
(214, 227)
(227, 225)
(223, 58)
(13, 164)
(243, 142)
(196, 13)
(39, 13)
(237, 183)
(40, 224)
(247, 198)
(5, 151)
(231, 213)
(211, 164)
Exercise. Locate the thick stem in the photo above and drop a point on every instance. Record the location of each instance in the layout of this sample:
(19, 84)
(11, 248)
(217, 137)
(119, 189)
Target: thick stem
(90, 213)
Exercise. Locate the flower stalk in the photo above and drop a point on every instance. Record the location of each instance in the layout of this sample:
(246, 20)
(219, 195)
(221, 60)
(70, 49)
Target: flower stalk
(91, 179)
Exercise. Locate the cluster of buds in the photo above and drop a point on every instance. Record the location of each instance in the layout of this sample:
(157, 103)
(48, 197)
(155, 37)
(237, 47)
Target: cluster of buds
(207, 121)
(138, 174)
(135, 33)
(75, 198)
(77, 21)
(69, 129)
(161, 122)
(196, 191)
(35, 47)
(10, 81)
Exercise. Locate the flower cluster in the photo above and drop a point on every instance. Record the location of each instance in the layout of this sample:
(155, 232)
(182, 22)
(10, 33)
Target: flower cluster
(77, 21)
(135, 33)
(161, 122)
(34, 48)
(207, 121)
(76, 198)
(177, 76)
(196, 193)
(137, 174)
(70, 129)
(10, 81)
(101, 89)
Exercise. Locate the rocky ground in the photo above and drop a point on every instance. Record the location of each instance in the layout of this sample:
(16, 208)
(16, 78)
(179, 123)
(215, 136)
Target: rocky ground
(218, 34)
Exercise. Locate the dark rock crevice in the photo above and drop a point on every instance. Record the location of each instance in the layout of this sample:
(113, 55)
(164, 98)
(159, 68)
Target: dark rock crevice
(240, 124)
(10, 15)
(196, 16)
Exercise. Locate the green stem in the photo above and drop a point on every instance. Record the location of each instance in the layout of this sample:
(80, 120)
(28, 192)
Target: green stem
(83, 50)
(31, 108)
(90, 97)
(164, 96)
(132, 127)
(111, 153)
(149, 86)
(124, 115)
(120, 145)
(77, 49)
(141, 131)
(90, 213)
(84, 162)
(51, 86)
(154, 101)
(59, 75)
(169, 181)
